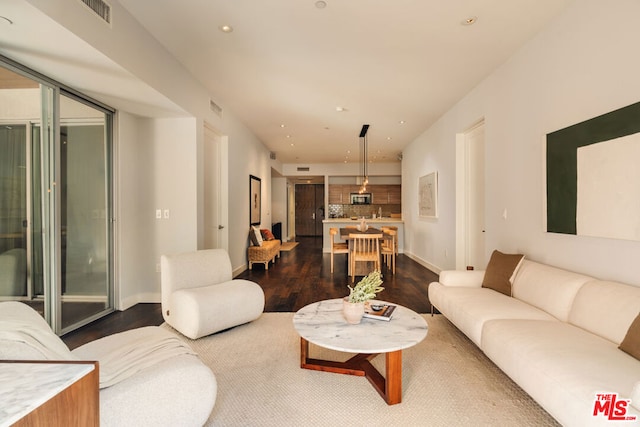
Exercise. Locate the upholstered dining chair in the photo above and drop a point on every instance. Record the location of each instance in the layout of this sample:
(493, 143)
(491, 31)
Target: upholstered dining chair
(364, 248)
(388, 249)
(336, 247)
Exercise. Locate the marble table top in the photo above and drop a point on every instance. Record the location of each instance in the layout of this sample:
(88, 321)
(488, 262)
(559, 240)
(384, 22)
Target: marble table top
(322, 323)
(25, 386)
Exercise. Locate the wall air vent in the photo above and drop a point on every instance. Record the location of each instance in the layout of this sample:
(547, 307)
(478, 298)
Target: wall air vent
(303, 169)
(272, 155)
(101, 8)
(215, 108)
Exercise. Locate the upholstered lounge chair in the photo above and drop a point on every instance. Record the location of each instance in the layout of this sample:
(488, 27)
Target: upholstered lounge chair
(199, 296)
(148, 376)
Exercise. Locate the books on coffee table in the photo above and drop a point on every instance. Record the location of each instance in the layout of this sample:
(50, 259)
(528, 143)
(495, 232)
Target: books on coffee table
(379, 311)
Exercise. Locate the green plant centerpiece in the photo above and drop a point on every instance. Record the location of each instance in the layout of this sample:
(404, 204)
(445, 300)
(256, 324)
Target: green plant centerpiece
(367, 288)
(363, 291)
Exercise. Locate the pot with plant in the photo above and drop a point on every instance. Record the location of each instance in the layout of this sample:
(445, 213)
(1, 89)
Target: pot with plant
(365, 290)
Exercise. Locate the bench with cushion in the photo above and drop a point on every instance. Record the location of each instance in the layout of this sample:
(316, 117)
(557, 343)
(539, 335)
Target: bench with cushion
(264, 248)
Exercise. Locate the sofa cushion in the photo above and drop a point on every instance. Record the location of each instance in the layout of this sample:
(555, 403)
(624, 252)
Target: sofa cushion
(500, 271)
(561, 366)
(606, 308)
(204, 311)
(549, 288)
(470, 308)
(631, 342)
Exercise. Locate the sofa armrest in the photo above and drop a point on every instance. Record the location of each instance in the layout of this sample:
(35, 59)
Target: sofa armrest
(466, 278)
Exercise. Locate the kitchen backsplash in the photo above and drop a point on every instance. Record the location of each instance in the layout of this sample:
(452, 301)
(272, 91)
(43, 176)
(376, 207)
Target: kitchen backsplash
(346, 211)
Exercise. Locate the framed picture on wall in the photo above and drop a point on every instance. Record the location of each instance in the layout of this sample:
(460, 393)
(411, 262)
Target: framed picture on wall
(254, 200)
(428, 195)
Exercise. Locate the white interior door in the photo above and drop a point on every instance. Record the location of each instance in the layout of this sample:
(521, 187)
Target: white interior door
(214, 221)
(475, 246)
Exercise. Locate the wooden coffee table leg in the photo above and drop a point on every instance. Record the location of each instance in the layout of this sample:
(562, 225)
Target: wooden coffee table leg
(393, 392)
(390, 388)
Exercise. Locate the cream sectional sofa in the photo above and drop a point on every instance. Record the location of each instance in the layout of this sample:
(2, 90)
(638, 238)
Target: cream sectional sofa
(557, 336)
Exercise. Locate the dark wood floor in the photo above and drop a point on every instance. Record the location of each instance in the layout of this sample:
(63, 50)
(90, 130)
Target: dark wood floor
(299, 277)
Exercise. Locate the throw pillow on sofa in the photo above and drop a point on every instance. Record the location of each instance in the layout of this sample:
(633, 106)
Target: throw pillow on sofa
(266, 234)
(501, 270)
(631, 342)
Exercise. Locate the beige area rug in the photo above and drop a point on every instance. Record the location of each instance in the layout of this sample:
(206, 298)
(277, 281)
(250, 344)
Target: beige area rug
(287, 246)
(447, 381)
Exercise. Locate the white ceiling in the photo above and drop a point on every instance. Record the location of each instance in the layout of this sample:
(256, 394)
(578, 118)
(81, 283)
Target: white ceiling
(290, 63)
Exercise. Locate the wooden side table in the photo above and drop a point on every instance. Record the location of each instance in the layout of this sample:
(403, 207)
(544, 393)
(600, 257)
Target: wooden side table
(49, 393)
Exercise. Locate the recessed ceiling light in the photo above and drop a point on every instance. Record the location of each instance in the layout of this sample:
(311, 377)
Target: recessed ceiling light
(321, 4)
(226, 28)
(470, 20)
(283, 125)
(389, 138)
(288, 136)
(292, 144)
(341, 109)
(401, 122)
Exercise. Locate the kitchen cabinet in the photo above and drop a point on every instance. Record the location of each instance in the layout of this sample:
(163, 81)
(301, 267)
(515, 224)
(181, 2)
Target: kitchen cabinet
(335, 195)
(395, 194)
(340, 194)
(380, 194)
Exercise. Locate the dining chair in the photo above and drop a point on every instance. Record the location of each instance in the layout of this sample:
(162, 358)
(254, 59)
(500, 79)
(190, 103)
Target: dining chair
(394, 228)
(388, 249)
(364, 248)
(337, 247)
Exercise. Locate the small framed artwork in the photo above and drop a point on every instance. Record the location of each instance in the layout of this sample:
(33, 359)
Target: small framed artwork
(254, 199)
(428, 195)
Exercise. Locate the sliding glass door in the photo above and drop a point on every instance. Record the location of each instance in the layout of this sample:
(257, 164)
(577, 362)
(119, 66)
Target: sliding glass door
(84, 211)
(55, 200)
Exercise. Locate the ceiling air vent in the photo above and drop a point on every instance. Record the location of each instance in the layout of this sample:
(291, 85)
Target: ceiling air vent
(215, 108)
(101, 8)
(272, 155)
(303, 169)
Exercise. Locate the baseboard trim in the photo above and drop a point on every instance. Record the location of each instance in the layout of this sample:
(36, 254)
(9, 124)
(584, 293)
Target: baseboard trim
(239, 270)
(424, 263)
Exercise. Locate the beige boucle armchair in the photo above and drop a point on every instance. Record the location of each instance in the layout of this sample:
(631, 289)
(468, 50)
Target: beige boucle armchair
(200, 297)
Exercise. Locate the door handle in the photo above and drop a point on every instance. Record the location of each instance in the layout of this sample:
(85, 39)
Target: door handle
(220, 227)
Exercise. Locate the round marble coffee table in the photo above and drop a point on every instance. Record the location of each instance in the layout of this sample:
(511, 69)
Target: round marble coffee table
(322, 324)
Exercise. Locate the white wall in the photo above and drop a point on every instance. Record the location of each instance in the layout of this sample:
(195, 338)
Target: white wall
(157, 159)
(246, 157)
(340, 169)
(156, 170)
(279, 203)
(581, 66)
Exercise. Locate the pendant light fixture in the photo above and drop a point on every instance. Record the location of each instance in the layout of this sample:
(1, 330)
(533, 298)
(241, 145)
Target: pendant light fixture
(363, 156)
